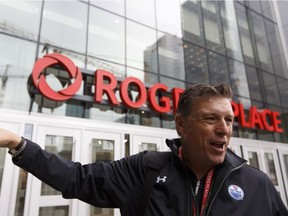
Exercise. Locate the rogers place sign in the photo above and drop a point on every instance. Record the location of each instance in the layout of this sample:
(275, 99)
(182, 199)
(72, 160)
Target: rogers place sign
(106, 83)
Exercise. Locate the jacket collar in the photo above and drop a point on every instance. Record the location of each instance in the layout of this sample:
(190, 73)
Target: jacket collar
(231, 158)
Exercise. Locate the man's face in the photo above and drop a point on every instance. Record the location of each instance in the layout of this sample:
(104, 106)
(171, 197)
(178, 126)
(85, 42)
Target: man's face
(206, 131)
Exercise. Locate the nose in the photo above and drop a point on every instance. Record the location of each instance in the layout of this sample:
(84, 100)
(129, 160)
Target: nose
(223, 128)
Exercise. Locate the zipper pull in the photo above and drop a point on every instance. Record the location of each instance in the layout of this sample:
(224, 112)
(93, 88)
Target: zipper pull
(197, 187)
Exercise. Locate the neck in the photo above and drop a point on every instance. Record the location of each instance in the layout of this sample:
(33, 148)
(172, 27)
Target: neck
(200, 170)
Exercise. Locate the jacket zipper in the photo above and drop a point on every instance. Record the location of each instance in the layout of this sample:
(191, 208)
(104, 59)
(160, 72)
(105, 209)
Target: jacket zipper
(222, 182)
(197, 187)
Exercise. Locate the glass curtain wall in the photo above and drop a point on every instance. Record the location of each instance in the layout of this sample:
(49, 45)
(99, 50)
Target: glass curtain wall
(175, 42)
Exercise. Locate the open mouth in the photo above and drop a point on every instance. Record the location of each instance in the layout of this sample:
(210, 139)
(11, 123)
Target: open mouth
(218, 146)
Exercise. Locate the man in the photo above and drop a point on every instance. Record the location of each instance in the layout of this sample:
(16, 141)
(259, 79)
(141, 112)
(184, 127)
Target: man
(201, 176)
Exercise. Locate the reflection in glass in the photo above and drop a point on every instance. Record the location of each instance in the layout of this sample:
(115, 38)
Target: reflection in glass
(254, 83)
(268, 10)
(245, 35)
(141, 47)
(253, 159)
(116, 69)
(192, 22)
(67, 20)
(195, 64)
(55, 211)
(269, 160)
(102, 150)
(168, 17)
(116, 6)
(15, 67)
(172, 83)
(62, 146)
(106, 36)
(212, 25)
(238, 78)
(142, 11)
(276, 49)
(230, 29)
(282, 85)
(271, 89)
(247, 133)
(171, 57)
(218, 68)
(260, 36)
(265, 135)
(143, 146)
(20, 18)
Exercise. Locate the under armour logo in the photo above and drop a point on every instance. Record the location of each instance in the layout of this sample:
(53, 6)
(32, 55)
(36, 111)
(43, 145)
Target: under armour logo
(163, 179)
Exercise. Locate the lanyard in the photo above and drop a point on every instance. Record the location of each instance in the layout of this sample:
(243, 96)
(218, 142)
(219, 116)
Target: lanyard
(207, 188)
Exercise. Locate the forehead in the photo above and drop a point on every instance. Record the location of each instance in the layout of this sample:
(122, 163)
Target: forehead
(213, 105)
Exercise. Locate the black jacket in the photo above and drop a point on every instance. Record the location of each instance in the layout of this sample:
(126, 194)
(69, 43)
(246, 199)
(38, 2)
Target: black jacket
(119, 184)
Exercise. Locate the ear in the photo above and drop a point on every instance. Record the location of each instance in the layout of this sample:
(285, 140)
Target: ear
(179, 124)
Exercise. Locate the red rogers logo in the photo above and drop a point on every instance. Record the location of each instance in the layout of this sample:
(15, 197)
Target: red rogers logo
(40, 82)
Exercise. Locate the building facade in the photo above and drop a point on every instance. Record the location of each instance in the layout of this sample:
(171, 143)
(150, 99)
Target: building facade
(165, 45)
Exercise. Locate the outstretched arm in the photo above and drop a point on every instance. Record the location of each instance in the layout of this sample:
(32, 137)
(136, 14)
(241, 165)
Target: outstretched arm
(8, 139)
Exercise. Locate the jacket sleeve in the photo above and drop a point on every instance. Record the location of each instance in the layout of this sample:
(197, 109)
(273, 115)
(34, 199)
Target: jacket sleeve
(100, 184)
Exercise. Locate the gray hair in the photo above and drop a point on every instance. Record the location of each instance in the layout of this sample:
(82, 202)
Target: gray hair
(201, 91)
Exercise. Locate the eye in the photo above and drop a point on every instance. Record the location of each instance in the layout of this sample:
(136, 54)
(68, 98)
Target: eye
(210, 119)
(229, 120)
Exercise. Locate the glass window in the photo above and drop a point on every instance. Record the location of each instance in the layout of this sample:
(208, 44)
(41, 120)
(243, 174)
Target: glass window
(55, 210)
(282, 85)
(218, 69)
(271, 89)
(253, 159)
(284, 135)
(276, 49)
(102, 150)
(116, 6)
(145, 77)
(261, 42)
(147, 146)
(172, 83)
(195, 64)
(254, 83)
(142, 11)
(230, 29)
(64, 24)
(192, 21)
(212, 25)
(238, 78)
(168, 17)
(60, 145)
(267, 9)
(282, 7)
(20, 18)
(141, 47)
(105, 113)
(16, 65)
(171, 57)
(269, 160)
(245, 35)
(247, 133)
(116, 69)
(255, 5)
(106, 36)
(265, 135)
